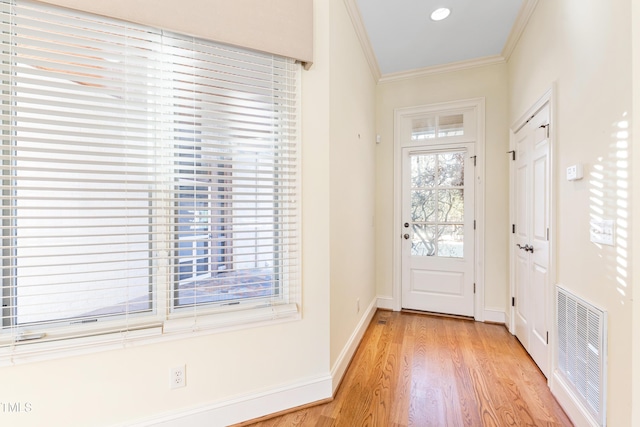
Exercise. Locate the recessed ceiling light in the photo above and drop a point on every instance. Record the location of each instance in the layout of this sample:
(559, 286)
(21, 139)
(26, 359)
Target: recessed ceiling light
(440, 14)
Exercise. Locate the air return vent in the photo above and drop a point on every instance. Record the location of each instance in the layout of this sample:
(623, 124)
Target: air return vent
(582, 352)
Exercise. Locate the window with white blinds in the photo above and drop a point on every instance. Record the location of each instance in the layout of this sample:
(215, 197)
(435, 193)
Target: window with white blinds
(147, 177)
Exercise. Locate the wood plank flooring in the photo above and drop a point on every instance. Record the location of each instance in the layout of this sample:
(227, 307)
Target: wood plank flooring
(421, 370)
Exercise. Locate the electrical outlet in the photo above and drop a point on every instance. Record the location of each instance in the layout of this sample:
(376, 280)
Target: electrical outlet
(178, 377)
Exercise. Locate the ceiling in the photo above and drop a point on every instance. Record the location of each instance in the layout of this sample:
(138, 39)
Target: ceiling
(403, 38)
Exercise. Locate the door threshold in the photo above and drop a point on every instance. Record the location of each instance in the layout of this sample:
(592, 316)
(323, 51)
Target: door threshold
(436, 314)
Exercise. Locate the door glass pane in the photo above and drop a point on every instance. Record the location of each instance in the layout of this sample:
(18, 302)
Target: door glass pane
(451, 169)
(423, 128)
(424, 240)
(423, 205)
(452, 125)
(450, 205)
(423, 170)
(450, 241)
(437, 204)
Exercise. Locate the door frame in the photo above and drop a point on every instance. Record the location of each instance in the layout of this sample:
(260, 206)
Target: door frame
(401, 115)
(548, 98)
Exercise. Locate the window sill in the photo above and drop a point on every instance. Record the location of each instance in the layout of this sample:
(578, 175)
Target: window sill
(227, 319)
(170, 330)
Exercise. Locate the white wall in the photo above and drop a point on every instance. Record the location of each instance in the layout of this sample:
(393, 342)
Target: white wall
(131, 384)
(352, 182)
(585, 49)
(489, 82)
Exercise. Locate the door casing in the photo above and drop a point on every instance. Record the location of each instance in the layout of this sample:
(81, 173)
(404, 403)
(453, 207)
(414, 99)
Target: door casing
(402, 117)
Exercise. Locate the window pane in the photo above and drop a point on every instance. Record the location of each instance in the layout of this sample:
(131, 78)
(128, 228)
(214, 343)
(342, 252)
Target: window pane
(424, 240)
(452, 125)
(451, 241)
(247, 249)
(451, 169)
(423, 128)
(423, 205)
(450, 205)
(80, 183)
(237, 139)
(423, 170)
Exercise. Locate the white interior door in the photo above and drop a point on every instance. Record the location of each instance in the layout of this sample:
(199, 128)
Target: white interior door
(438, 229)
(530, 259)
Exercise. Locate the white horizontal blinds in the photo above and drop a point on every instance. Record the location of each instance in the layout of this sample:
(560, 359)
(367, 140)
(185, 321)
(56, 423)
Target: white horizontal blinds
(137, 166)
(79, 100)
(233, 131)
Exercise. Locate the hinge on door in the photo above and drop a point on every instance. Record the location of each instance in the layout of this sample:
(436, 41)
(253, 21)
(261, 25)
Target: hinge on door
(513, 301)
(513, 154)
(547, 337)
(547, 234)
(474, 288)
(474, 224)
(513, 228)
(474, 159)
(546, 127)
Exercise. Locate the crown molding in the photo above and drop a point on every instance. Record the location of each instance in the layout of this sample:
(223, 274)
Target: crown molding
(444, 68)
(356, 19)
(526, 10)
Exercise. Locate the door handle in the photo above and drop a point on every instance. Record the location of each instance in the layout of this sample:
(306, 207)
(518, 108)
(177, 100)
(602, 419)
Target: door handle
(406, 236)
(526, 248)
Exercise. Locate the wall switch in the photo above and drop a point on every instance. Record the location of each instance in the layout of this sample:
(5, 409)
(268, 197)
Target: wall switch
(178, 377)
(601, 231)
(575, 172)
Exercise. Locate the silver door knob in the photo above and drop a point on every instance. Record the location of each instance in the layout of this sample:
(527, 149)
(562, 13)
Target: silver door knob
(406, 236)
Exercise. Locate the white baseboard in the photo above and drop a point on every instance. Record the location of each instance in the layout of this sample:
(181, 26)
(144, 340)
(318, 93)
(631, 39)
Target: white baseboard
(573, 408)
(495, 316)
(246, 407)
(343, 360)
(386, 303)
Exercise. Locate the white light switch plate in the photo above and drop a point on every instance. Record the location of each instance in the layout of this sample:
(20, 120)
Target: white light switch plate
(575, 172)
(601, 231)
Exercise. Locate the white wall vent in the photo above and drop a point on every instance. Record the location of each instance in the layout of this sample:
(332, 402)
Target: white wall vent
(582, 352)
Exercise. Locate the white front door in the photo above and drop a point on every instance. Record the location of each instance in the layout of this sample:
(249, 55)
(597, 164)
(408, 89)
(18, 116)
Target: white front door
(438, 229)
(530, 259)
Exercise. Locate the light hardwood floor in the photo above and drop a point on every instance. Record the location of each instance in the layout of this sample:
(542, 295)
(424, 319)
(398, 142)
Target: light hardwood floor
(422, 370)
